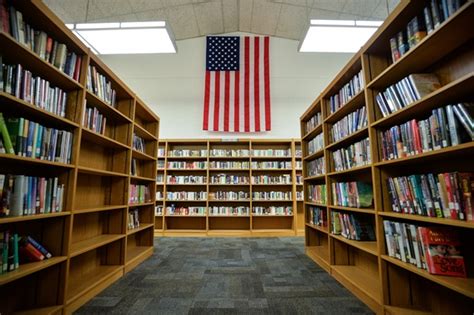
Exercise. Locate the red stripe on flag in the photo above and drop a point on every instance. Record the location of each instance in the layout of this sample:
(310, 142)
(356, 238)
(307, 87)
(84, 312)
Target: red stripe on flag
(226, 101)
(207, 88)
(256, 82)
(216, 100)
(266, 61)
(237, 101)
(247, 82)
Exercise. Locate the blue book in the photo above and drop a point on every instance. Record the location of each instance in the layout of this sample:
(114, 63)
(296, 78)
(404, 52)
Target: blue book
(31, 132)
(39, 247)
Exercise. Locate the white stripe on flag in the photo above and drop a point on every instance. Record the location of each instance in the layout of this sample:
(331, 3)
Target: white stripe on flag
(231, 102)
(222, 101)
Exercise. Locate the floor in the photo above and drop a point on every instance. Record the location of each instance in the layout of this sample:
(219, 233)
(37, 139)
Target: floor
(226, 276)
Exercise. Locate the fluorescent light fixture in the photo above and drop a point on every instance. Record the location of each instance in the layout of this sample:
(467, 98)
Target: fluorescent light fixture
(126, 37)
(342, 36)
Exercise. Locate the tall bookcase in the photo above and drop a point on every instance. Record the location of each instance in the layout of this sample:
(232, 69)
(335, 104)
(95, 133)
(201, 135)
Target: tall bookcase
(388, 285)
(89, 240)
(242, 152)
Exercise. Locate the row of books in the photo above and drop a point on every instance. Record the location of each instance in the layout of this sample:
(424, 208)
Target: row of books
(160, 178)
(299, 195)
(317, 193)
(267, 179)
(318, 216)
(161, 152)
(355, 155)
(229, 179)
(271, 152)
(271, 195)
(16, 250)
(353, 226)
(41, 43)
(27, 195)
(187, 153)
(435, 13)
(349, 124)
(159, 195)
(406, 91)
(139, 194)
(299, 179)
(316, 167)
(229, 195)
(229, 164)
(316, 144)
(314, 121)
(352, 194)
(138, 143)
(186, 179)
(27, 138)
(21, 83)
(273, 210)
(298, 165)
(440, 130)
(174, 210)
(227, 211)
(160, 164)
(298, 153)
(183, 165)
(348, 91)
(444, 195)
(229, 152)
(100, 86)
(133, 219)
(186, 195)
(436, 249)
(272, 165)
(94, 120)
(158, 210)
(135, 167)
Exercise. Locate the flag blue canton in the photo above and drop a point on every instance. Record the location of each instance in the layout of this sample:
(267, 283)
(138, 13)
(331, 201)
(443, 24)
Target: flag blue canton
(222, 53)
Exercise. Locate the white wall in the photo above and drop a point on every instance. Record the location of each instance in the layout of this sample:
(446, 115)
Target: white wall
(173, 85)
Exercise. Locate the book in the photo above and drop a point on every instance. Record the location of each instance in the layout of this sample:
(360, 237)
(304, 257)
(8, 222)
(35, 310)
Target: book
(423, 83)
(6, 136)
(39, 247)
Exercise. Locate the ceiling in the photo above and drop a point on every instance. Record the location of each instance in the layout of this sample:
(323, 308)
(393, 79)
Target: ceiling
(194, 18)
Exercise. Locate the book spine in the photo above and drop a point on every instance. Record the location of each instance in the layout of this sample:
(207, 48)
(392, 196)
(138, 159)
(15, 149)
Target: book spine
(39, 247)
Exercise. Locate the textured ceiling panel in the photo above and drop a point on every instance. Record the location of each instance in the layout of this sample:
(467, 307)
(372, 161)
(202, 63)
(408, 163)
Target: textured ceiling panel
(293, 21)
(230, 11)
(265, 17)
(209, 17)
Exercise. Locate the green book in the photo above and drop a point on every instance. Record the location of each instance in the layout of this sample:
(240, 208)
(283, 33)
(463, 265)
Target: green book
(6, 240)
(365, 194)
(12, 126)
(16, 257)
(6, 136)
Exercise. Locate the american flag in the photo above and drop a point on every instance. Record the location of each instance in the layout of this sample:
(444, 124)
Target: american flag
(237, 88)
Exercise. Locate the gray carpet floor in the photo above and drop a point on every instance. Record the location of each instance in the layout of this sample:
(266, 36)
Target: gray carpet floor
(226, 276)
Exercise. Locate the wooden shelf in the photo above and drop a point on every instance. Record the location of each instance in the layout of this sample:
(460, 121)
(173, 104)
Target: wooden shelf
(137, 252)
(169, 200)
(185, 215)
(356, 169)
(316, 204)
(102, 140)
(228, 216)
(48, 310)
(98, 209)
(272, 170)
(352, 209)
(353, 137)
(314, 155)
(108, 110)
(143, 133)
(140, 228)
(313, 132)
(149, 203)
(464, 286)
(186, 170)
(368, 247)
(229, 169)
(141, 156)
(266, 185)
(314, 177)
(198, 158)
(26, 160)
(320, 255)
(228, 200)
(271, 157)
(274, 200)
(29, 268)
(393, 310)
(229, 157)
(93, 243)
(272, 215)
(141, 178)
(93, 171)
(12, 219)
(319, 228)
(168, 184)
(414, 217)
(354, 103)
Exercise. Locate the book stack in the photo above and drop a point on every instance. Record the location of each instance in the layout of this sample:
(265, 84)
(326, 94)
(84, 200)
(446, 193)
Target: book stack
(229, 164)
(434, 14)
(186, 195)
(352, 194)
(300, 195)
(186, 179)
(298, 153)
(316, 167)
(16, 250)
(273, 210)
(286, 165)
(444, 195)
(271, 152)
(29, 195)
(405, 92)
(133, 219)
(298, 165)
(348, 91)
(187, 153)
(318, 216)
(138, 143)
(160, 164)
(435, 249)
(267, 179)
(229, 195)
(353, 226)
(161, 152)
(173, 210)
(316, 144)
(94, 120)
(139, 194)
(271, 195)
(158, 210)
(38, 41)
(314, 121)
(21, 83)
(225, 211)
(160, 178)
(446, 126)
(134, 170)
(355, 155)
(182, 165)
(317, 193)
(349, 124)
(299, 179)
(229, 179)
(159, 195)
(229, 153)
(27, 138)
(101, 86)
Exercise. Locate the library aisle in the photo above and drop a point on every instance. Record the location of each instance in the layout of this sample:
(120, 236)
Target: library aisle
(226, 276)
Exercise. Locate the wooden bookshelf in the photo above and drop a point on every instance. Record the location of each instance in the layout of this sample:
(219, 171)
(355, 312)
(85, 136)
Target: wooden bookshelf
(89, 239)
(228, 224)
(388, 285)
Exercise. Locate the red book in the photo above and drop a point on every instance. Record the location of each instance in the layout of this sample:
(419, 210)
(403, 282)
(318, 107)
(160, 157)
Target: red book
(442, 251)
(416, 133)
(449, 189)
(4, 17)
(77, 68)
(467, 188)
(31, 253)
